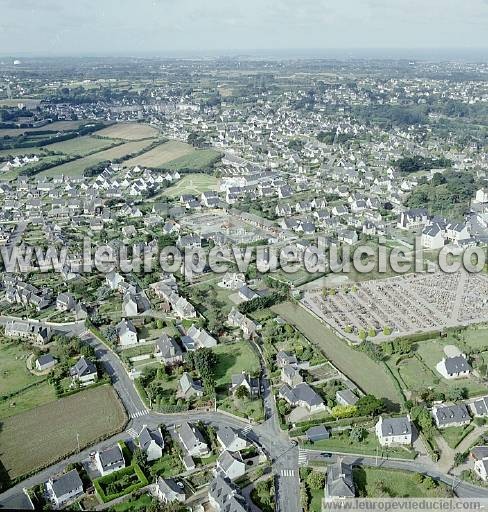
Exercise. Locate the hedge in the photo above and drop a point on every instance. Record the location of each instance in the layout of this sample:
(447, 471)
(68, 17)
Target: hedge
(113, 477)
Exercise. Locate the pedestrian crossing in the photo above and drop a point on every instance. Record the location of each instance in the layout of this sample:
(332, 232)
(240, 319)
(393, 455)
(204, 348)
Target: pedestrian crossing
(138, 414)
(132, 433)
(288, 472)
(302, 457)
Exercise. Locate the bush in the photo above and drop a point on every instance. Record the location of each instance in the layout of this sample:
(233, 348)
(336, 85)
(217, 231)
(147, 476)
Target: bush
(120, 483)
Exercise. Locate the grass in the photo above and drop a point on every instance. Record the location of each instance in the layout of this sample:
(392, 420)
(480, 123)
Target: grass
(167, 466)
(35, 396)
(234, 358)
(199, 159)
(341, 443)
(76, 167)
(80, 146)
(454, 435)
(14, 374)
(129, 131)
(192, 184)
(41, 436)
(366, 373)
(141, 503)
(393, 482)
(57, 126)
(162, 154)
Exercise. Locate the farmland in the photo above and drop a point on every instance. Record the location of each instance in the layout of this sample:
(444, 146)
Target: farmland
(32, 439)
(57, 126)
(174, 155)
(367, 374)
(129, 131)
(192, 184)
(76, 167)
(81, 145)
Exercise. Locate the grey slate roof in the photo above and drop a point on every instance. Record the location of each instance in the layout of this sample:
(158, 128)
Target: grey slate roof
(457, 364)
(148, 435)
(83, 367)
(448, 414)
(111, 456)
(340, 482)
(481, 406)
(66, 483)
(227, 495)
(396, 426)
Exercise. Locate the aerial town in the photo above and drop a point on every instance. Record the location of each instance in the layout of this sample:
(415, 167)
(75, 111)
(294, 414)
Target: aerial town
(246, 388)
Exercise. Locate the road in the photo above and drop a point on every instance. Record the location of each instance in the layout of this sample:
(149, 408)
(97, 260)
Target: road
(283, 453)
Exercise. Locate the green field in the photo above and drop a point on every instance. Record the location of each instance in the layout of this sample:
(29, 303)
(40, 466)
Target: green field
(76, 167)
(199, 159)
(192, 184)
(57, 126)
(80, 146)
(14, 374)
(367, 374)
(129, 131)
(374, 482)
(39, 437)
(234, 358)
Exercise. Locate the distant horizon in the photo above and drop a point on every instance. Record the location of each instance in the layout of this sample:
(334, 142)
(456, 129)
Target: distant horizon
(475, 54)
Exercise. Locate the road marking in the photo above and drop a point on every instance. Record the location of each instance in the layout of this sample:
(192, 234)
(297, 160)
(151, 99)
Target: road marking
(138, 414)
(132, 433)
(287, 472)
(302, 457)
(246, 430)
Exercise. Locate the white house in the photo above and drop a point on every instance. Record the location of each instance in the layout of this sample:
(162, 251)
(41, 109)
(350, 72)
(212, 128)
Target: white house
(481, 468)
(230, 440)
(393, 431)
(456, 367)
(109, 460)
(231, 465)
(151, 442)
(127, 333)
(65, 488)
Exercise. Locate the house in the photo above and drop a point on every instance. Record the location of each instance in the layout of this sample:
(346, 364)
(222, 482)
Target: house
(45, 362)
(302, 396)
(224, 496)
(196, 338)
(394, 431)
(109, 460)
(339, 483)
(232, 281)
(243, 379)
(480, 407)
(291, 375)
(151, 442)
(168, 351)
(456, 367)
(248, 327)
(230, 440)
(346, 397)
(455, 415)
(416, 218)
(84, 372)
(283, 359)
(113, 280)
(65, 302)
(231, 465)
(65, 488)
(168, 490)
(127, 333)
(135, 304)
(35, 332)
(481, 468)
(184, 309)
(192, 440)
(317, 433)
(188, 387)
(246, 294)
(433, 237)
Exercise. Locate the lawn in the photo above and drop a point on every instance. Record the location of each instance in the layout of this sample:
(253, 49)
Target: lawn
(366, 373)
(14, 374)
(39, 437)
(234, 358)
(392, 482)
(476, 338)
(30, 398)
(198, 159)
(76, 167)
(57, 126)
(341, 443)
(192, 184)
(129, 131)
(81, 145)
(141, 503)
(454, 435)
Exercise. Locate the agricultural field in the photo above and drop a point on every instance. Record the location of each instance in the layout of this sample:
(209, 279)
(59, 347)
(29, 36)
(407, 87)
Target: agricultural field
(57, 126)
(368, 375)
(92, 414)
(129, 131)
(174, 155)
(76, 167)
(192, 184)
(234, 358)
(81, 146)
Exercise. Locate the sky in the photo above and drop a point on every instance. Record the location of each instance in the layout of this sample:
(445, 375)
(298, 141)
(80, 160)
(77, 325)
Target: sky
(162, 27)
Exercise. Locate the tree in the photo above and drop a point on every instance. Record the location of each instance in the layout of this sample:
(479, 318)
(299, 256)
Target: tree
(369, 405)
(356, 435)
(316, 480)
(344, 411)
(459, 458)
(242, 392)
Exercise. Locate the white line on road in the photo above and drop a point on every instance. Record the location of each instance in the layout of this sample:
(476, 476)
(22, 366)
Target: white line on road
(287, 472)
(138, 414)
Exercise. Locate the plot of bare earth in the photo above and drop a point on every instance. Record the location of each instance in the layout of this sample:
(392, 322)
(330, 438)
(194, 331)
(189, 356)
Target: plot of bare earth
(129, 131)
(161, 154)
(407, 304)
